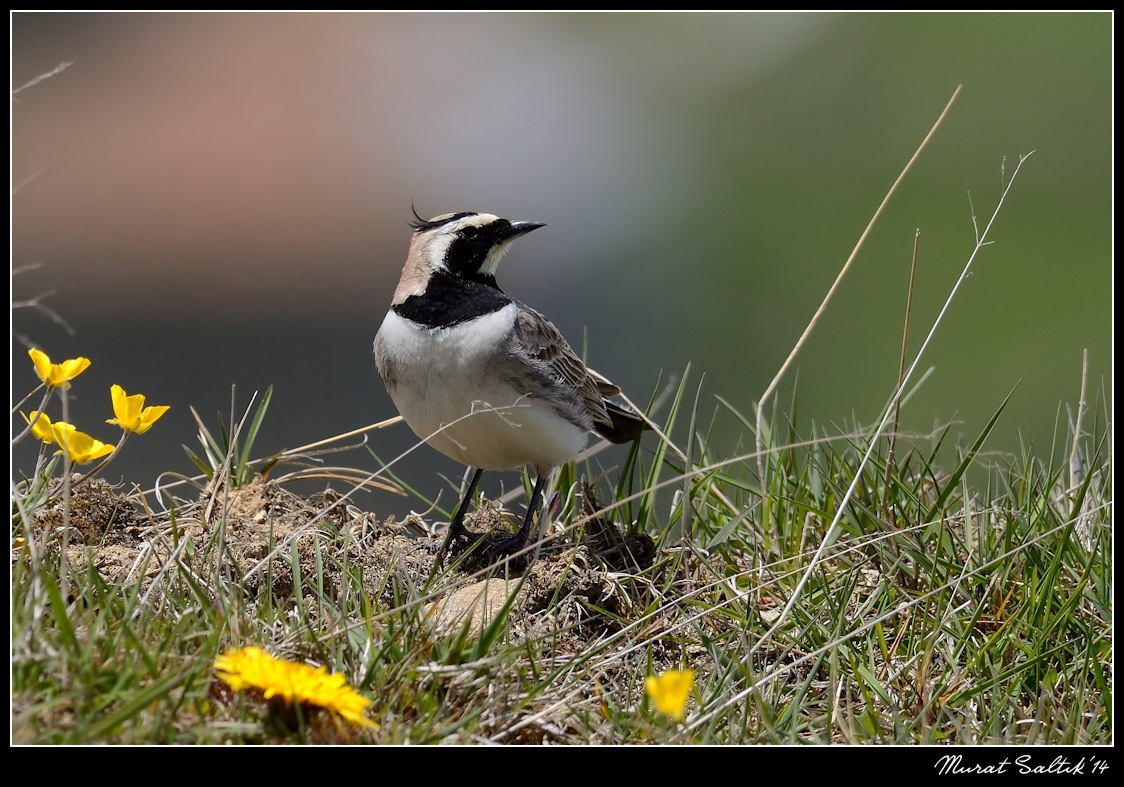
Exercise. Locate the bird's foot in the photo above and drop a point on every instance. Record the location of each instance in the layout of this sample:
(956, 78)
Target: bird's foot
(458, 538)
(496, 550)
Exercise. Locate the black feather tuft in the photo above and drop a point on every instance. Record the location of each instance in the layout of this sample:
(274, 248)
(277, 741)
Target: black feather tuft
(424, 225)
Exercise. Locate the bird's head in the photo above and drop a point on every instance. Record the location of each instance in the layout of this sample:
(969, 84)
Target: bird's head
(467, 244)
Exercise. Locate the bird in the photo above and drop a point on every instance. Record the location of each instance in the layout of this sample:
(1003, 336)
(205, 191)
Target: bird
(481, 377)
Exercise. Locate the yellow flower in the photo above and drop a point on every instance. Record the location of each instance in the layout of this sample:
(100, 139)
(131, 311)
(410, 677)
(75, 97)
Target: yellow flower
(253, 668)
(79, 446)
(670, 690)
(132, 415)
(57, 375)
(40, 426)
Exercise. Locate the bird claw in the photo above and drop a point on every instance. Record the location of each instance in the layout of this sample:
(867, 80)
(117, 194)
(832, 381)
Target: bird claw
(494, 550)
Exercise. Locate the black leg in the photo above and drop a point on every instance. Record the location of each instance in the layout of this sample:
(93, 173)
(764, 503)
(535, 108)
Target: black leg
(490, 550)
(532, 507)
(456, 527)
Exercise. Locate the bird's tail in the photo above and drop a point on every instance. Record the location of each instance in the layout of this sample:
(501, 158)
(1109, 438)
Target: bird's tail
(626, 425)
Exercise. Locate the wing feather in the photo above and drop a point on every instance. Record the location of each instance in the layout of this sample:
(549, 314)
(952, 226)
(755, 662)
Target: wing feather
(537, 340)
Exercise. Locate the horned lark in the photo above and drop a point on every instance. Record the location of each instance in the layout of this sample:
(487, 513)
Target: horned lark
(481, 377)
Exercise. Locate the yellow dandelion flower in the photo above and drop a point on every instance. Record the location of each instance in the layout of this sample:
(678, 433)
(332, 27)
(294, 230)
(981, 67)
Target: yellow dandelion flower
(670, 690)
(40, 426)
(132, 415)
(79, 446)
(57, 375)
(253, 668)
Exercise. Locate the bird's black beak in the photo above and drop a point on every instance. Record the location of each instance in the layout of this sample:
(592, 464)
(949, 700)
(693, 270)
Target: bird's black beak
(522, 228)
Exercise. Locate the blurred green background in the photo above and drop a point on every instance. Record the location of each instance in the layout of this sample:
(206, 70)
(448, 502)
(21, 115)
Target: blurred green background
(223, 199)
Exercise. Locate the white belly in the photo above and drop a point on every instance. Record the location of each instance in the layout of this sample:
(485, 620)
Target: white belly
(445, 386)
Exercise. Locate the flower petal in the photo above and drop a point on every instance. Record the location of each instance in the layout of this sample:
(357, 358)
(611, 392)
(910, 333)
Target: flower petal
(57, 375)
(253, 668)
(79, 446)
(151, 415)
(42, 364)
(670, 690)
(40, 426)
(131, 414)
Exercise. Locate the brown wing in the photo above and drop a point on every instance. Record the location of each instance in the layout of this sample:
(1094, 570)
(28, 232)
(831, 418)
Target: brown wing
(537, 339)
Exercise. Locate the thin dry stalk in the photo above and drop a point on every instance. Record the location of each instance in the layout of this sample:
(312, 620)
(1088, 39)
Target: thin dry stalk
(35, 81)
(1075, 472)
(835, 285)
(901, 374)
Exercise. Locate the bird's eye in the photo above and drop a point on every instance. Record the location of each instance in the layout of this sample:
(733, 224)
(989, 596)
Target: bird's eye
(470, 231)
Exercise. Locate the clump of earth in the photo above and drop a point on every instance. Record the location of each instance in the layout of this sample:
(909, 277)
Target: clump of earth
(260, 533)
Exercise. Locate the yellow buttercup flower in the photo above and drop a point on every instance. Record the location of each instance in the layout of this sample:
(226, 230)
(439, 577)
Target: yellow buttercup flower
(670, 690)
(57, 375)
(253, 668)
(132, 415)
(79, 446)
(41, 426)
